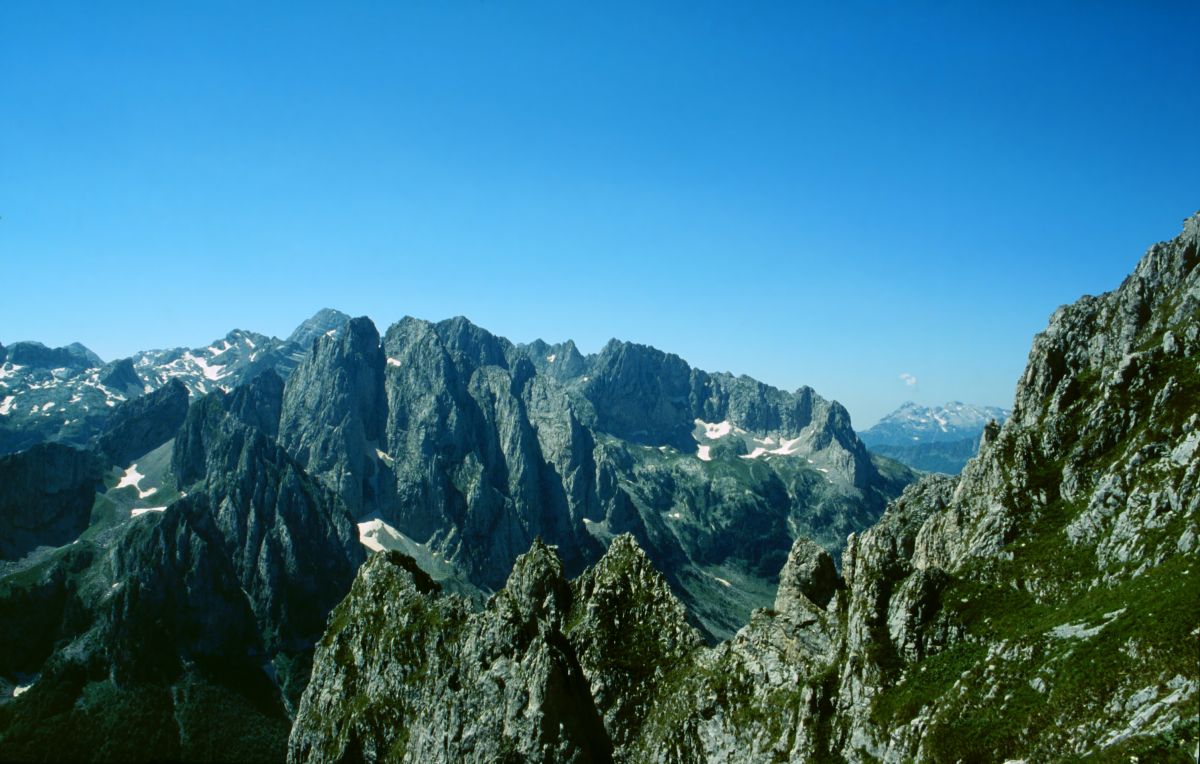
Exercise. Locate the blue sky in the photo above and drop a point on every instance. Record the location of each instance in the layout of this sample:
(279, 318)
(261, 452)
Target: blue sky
(829, 194)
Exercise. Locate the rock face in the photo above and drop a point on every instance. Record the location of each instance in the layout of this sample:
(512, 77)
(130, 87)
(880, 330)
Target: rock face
(332, 414)
(142, 424)
(546, 672)
(47, 497)
(293, 545)
(1039, 606)
(185, 631)
(471, 447)
(406, 675)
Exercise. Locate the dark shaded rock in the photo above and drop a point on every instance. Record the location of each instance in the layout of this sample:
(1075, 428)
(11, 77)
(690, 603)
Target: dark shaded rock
(333, 412)
(142, 424)
(120, 377)
(258, 403)
(46, 498)
(809, 573)
(292, 543)
(35, 354)
(177, 596)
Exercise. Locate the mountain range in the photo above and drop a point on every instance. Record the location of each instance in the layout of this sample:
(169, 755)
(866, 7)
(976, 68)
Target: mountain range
(66, 394)
(1041, 606)
(932, 439)
(433, 544)
(176, 527)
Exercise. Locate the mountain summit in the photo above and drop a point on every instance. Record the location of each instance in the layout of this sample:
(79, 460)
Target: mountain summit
(933, 439)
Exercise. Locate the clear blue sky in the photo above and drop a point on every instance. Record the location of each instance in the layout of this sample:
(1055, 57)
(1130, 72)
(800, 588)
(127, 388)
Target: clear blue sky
(829, 194)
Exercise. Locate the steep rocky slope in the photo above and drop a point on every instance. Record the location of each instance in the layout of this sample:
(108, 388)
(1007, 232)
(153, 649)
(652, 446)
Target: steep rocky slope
(46, 498)
(467, 447)
(178, 620)
(1041, 606)
(548, 671)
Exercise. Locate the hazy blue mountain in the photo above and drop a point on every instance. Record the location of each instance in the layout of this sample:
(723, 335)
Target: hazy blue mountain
(932, 439)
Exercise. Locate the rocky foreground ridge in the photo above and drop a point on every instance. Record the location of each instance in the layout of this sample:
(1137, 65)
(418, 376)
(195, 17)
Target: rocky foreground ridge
(1040, 607)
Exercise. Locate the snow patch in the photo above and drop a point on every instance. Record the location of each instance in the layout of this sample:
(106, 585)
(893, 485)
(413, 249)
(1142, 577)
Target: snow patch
(722, 581)
(551, 357)
(6, 405)
(704, 452)
(21, 689)
(144, 510)
(393, 362)
(754, 454)
(713, 431)
(786, 447)
(132, 478)
(1081, 630)
(378, 536)
(210, 371)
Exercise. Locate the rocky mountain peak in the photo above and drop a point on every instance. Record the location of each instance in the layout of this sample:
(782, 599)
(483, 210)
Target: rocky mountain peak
(333, 408)
(321, 323)
(36, 355)
(144, 423)
(121, 377)
(472, 346)
(809, 574)
(536, 587)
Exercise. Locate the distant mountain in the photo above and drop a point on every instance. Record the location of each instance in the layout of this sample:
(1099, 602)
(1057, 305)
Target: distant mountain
(913, 423)
(66, 394)
(932, 439)
(323, 322)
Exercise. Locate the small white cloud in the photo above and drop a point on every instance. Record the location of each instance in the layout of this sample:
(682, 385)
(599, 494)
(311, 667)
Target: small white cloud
(909, 379)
